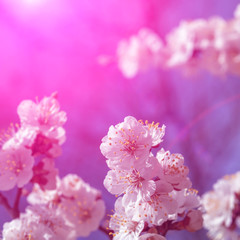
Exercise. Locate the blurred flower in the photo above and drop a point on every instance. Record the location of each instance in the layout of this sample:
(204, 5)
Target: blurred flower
(222, 208)
(38, 222)
(195, 45)
(237, 11)
(192, 45)
(139, 52)
(76, 201)
(81, 205)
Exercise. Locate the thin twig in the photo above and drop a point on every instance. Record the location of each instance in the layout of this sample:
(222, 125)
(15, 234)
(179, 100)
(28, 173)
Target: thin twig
(106, 231)
(16, 203)
(162, 230)
(4, 202)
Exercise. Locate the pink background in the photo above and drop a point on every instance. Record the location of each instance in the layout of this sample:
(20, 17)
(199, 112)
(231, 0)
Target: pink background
(53, 45)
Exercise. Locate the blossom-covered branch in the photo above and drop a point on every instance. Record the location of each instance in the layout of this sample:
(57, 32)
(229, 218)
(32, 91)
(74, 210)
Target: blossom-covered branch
(212, 45)
(155, 191)
(60, 209)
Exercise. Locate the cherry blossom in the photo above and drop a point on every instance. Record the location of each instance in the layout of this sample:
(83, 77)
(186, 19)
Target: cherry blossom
(202, 44)
(40, 196)
(79, 203)
(46, 120)
(123, 226)
(83, 215)
(155, 132)
(154, 212)
(221, 206)
(174, 171)
(237, 12)
(182, 51)
(133, 183)
(19, 229)
(18, 137)
(37, 223)
(230, 49)
(127, 144)
(203, 37)
(193, 221)
(45, 115)
(15, 168)
(53, 221)
(139, 52)
(47, 146)
(155, 192)
(118, 182)
(222, 232)
(45, 174)
(187, 199)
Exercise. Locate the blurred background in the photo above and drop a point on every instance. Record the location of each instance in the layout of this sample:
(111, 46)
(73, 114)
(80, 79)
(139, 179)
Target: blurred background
(53, 45)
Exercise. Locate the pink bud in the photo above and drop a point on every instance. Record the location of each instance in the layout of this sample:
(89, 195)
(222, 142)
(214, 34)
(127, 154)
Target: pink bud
(193, 221)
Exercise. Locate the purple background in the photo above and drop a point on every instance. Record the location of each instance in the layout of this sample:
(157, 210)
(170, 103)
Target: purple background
(53, 45)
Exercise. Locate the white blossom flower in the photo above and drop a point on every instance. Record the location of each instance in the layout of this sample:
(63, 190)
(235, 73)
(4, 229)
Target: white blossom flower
(139, 52)
(122, 225)
(174, 171)
(15, 168)
(127, 145)
(221, 206)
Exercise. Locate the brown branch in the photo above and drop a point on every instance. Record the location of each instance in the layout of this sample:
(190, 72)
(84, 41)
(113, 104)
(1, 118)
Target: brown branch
(4, 202)
(13, 211)
(162, 230)
(106, 231)
(16, 203)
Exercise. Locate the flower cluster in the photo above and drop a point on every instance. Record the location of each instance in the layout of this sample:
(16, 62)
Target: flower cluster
(27, 151)
(60, 209)
(222, 209)
(211, 45)
(73, 209)
(155, 191)
(37, 223)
